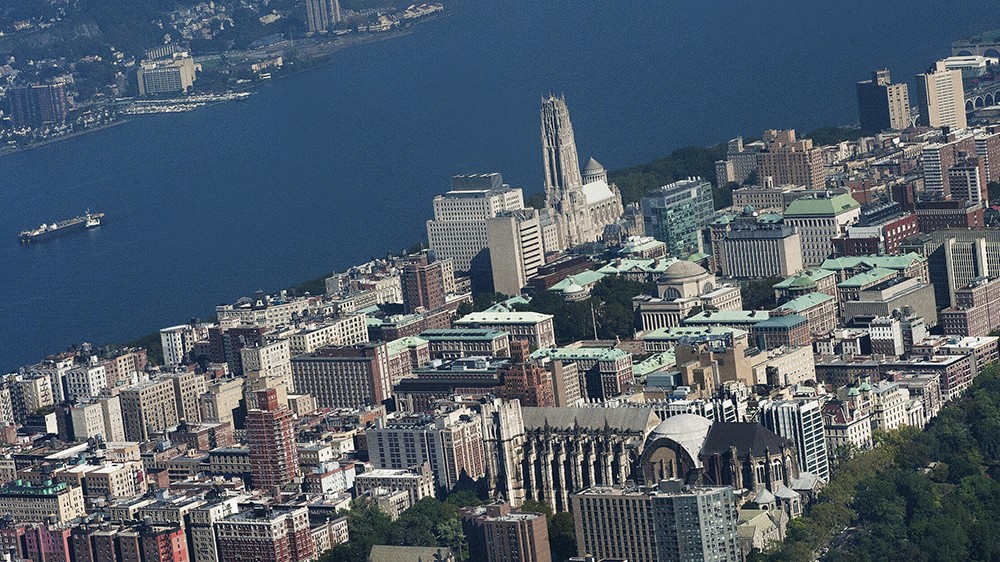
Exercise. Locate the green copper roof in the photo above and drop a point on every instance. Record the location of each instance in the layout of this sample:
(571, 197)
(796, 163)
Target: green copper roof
(653, 363)
(462, 334)
(897, 263)
(805, 302)
(506, 306)
(786, 321)
(821, 207)
(583, 279)
(397, 346)
(804, 280)
(867, 278)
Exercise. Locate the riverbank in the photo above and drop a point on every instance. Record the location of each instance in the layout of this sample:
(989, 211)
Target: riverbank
(317, 55)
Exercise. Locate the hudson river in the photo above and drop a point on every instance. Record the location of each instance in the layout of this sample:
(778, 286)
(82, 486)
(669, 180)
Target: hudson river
(333, 166)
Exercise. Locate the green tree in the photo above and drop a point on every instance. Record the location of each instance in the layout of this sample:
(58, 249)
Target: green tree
(758, 294)
(636, 181)
(825, 136)
(562, 537)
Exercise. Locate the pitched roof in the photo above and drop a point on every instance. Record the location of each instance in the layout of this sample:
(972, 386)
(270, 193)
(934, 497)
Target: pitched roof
(805, 279)
(806, 301)
(887, 262)
(821, 206)
(746, 437)
(632, 420)
(867, 278)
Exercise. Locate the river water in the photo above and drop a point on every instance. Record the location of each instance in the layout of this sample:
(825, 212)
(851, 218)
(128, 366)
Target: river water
(331, 167)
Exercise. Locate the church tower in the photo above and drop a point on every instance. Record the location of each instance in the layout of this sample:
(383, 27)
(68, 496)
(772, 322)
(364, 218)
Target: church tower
(563, 181)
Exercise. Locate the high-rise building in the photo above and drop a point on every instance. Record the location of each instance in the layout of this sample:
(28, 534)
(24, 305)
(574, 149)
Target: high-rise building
(758, 246)
(227, 339)
(800, 421)
(423, 283)
(677, 212)
(147, 408)
(667, 523)
(740, 163)
(274, 460)
(526, 381)
(38, 104)
(345, 377)
(516, 249)
(163, 543)
(265, 534)
(497, 533)
(937, 160)
(272, 360)
(882, 105)
(967, 180)
(581, 210)
(188, 388)
(988, 150)
(458, 230)
(819, 219)
(172, 76)
(451, 442)
(58, 502)
(321, 15)
(940, 98)
(178, 341)
(790, 161)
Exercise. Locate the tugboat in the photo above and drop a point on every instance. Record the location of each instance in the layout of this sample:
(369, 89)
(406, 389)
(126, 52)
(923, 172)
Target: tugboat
(46, 231)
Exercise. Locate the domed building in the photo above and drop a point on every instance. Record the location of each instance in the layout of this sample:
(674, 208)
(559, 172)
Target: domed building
(746, 456)
(684, 280)
(574, 292)
(672, 448)
(683, 287)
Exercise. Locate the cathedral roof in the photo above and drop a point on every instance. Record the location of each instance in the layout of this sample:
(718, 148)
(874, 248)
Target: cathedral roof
(632, 420)
(593, 166)
(746, 437)
(597, 192)
(687, 430)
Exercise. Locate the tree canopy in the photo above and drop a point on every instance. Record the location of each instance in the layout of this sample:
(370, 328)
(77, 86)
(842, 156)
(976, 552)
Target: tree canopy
(919, 496)
(611, 299)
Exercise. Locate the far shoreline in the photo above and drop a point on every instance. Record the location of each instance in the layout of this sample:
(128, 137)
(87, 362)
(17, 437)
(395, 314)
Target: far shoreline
(321, 61)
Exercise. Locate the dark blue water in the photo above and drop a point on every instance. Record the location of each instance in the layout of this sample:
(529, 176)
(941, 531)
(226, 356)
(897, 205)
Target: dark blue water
(337, 165)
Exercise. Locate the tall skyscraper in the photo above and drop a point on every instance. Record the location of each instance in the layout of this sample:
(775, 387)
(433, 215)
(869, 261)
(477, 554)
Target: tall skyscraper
(335, 16)
(561, 161)
(800, 421)
(274, 460)
(941, 98)
(581, 210)
(882, 105)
